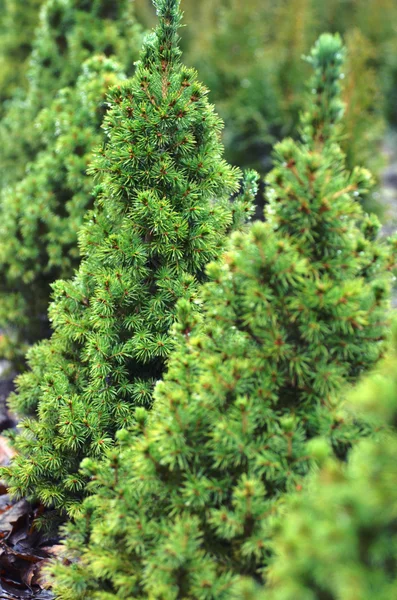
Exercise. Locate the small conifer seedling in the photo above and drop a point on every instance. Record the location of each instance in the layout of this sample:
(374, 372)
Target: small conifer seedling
(297, 307)
(161, 214)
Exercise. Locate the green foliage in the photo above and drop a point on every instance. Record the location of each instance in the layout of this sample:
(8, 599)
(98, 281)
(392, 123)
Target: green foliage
(249, 54)
(337, 538)
(18, 21)
(230, 47)
(161, 214)
(183, 507)
(43, 212)
(375, 19)
(364, 122)
(69, 32)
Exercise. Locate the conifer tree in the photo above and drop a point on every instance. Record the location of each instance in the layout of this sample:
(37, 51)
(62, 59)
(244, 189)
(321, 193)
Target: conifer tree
(337, 537)
(69, 32)
(41, 214)
(161, 214)
(183, 507)
(17, 25)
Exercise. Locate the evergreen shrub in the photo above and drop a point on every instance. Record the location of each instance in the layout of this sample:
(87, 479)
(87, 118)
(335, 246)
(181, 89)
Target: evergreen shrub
(297, 307)
(161, 213)
(42, 213)
(69, 32)
(47, 147)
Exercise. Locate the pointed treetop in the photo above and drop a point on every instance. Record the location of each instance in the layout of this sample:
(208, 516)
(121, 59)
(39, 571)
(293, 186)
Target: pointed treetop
(325, 112)
(162, 45)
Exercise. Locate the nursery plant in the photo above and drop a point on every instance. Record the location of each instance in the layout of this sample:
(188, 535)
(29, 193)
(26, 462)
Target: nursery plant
(41, 214)
(296, 308)
(69, 32)
(337, 538)
(161, 213)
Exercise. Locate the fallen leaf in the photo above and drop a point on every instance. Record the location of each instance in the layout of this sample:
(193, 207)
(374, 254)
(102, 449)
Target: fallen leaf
(11, 518)
(6, 452)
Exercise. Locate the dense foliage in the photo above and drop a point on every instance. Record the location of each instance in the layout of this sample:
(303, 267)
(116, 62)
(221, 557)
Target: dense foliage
(297, 306)
(69, 32)
(337, 537)
(185, 407)
(43, 212)
(17, 25)
(161, 212)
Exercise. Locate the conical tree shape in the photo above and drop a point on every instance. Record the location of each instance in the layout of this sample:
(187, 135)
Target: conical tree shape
(297, 307)
(41, 215)
(161, 214)
(337, 537)
(69, 32)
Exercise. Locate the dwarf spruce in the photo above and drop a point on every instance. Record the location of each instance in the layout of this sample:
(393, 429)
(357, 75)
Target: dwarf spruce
(40, 216)
(295, 308)
(161, 213)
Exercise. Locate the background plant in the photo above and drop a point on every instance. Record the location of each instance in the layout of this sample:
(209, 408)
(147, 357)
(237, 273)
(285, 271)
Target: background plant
(69, 32)
(43, 210)
(42, 213)
(16, 31)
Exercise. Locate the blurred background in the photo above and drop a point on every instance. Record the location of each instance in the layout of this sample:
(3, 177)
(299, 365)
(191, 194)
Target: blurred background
(250, 55)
